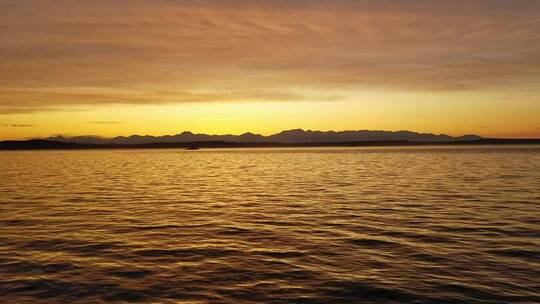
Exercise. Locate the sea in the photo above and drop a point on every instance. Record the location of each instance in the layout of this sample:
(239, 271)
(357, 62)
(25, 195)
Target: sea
(438, 224)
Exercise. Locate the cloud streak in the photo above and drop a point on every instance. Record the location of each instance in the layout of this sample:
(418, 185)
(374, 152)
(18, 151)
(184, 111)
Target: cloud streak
(18, 125)
(53, 99)
(104, 122)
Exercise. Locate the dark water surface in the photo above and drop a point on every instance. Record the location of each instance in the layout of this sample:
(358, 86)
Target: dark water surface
(375, 225)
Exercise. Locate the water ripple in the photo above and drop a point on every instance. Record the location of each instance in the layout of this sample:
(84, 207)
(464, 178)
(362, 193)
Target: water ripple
(388, 225)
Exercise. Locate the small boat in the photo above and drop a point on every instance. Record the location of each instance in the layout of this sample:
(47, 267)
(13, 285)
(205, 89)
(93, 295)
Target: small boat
(192, 148)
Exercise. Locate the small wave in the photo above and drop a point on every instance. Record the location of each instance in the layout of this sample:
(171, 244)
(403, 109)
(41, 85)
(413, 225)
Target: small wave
(281, 254)
(518, 253)
(129, 274)
(65, 291)
(151, 227)
(234, 231)
(27, 267)
(73, 246)
(20, 222)
(425, 238)
(358, 290)
(188, 253)
(366, 242)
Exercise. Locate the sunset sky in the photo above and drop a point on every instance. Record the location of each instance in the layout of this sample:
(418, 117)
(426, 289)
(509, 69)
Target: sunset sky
(113, 68)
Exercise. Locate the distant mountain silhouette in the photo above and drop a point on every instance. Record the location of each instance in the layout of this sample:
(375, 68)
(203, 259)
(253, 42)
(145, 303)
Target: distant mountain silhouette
(288, 136)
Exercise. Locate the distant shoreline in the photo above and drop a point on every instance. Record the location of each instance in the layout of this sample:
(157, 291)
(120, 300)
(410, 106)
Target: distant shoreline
(55, 145)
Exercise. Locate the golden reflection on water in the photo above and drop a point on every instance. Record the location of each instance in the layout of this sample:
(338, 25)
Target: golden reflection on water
(423, 225)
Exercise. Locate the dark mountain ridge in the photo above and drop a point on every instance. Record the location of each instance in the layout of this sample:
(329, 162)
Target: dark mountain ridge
(288, 136)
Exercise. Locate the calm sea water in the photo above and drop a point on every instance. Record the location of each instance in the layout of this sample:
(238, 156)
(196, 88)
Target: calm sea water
(374, 225)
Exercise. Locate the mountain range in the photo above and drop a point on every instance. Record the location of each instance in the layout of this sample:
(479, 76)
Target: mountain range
(295, 136)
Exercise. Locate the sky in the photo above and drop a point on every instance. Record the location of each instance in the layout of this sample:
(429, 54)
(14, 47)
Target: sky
(159, 67)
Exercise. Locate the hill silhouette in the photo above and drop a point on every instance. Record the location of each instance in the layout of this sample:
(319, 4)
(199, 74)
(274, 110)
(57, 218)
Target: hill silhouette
(288, 136)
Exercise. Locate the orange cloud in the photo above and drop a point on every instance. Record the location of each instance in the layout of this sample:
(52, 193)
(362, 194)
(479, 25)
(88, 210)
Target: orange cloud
(61, 53)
